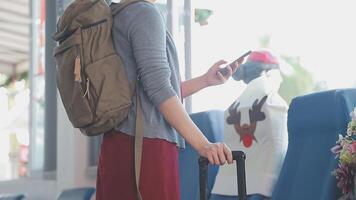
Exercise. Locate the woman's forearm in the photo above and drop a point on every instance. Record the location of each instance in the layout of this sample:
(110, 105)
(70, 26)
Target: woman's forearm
(173, 111)
(194, 85)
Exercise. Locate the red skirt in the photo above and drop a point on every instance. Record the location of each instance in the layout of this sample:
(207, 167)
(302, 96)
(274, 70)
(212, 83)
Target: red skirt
(116, 172)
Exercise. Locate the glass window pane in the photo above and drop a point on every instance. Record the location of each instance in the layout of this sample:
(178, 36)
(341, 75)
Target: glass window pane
(14, 91)
(14, 130)
(310, 55)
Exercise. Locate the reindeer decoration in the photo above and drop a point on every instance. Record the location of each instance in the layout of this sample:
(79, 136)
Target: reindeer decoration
(255, 123)
(246, 131)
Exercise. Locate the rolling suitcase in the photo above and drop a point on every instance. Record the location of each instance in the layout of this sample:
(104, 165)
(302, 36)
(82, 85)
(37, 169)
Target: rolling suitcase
(239, 157)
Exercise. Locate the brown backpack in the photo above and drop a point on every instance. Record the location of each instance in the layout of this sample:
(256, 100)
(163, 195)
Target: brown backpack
(91, 79)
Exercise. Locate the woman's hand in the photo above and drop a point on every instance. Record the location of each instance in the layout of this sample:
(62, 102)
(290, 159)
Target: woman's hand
(214, 77)
(210, 78)
(216, 153)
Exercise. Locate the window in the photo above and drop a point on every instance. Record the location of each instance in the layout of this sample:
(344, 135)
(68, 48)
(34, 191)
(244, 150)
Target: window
(26, 149)
(314, 39)
(14, 89)
(14, 130)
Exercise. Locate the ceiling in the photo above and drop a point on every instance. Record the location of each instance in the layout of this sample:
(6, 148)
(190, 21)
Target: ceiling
(14, 35)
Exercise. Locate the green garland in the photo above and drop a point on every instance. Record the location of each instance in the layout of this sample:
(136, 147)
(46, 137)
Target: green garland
(16, 77)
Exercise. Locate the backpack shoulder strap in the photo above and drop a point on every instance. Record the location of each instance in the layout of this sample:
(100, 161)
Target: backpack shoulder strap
(138, 142)
(117, 7)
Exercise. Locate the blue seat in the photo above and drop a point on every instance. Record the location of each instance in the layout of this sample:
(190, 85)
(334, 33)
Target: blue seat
(12, 196)
(84, 193)
(314, 122)
(211, 123)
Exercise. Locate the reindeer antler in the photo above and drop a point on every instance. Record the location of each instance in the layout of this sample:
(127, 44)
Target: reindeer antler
(235, 116)
(255, 113)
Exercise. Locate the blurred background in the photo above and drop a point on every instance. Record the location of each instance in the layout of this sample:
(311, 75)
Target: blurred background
(315, 41)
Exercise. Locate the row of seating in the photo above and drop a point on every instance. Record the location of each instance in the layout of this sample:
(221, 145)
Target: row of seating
(314, 122)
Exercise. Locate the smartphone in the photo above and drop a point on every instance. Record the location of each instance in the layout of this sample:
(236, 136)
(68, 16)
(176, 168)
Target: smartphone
(224, 71)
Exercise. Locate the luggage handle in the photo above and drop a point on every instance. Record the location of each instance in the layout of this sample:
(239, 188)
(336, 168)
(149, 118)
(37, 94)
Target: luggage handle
(239, 157)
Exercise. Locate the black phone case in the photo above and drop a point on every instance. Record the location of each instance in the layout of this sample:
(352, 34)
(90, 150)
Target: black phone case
(239, 157)
(224, 71)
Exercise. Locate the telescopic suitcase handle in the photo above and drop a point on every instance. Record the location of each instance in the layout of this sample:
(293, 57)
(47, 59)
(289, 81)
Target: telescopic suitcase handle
(240, 157)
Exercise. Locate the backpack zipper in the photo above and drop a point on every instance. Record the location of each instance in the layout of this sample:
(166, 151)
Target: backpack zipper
(87, 89)
(78, 71)
(79, 75)
(77, 67)
(89, 94)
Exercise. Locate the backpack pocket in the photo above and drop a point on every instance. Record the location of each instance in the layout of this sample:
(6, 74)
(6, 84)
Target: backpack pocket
(71, 83)
(109, 87)
(97, 43)
(106, 76)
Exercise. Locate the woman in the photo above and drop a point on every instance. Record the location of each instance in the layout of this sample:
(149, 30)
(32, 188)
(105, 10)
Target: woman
(148, 52)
